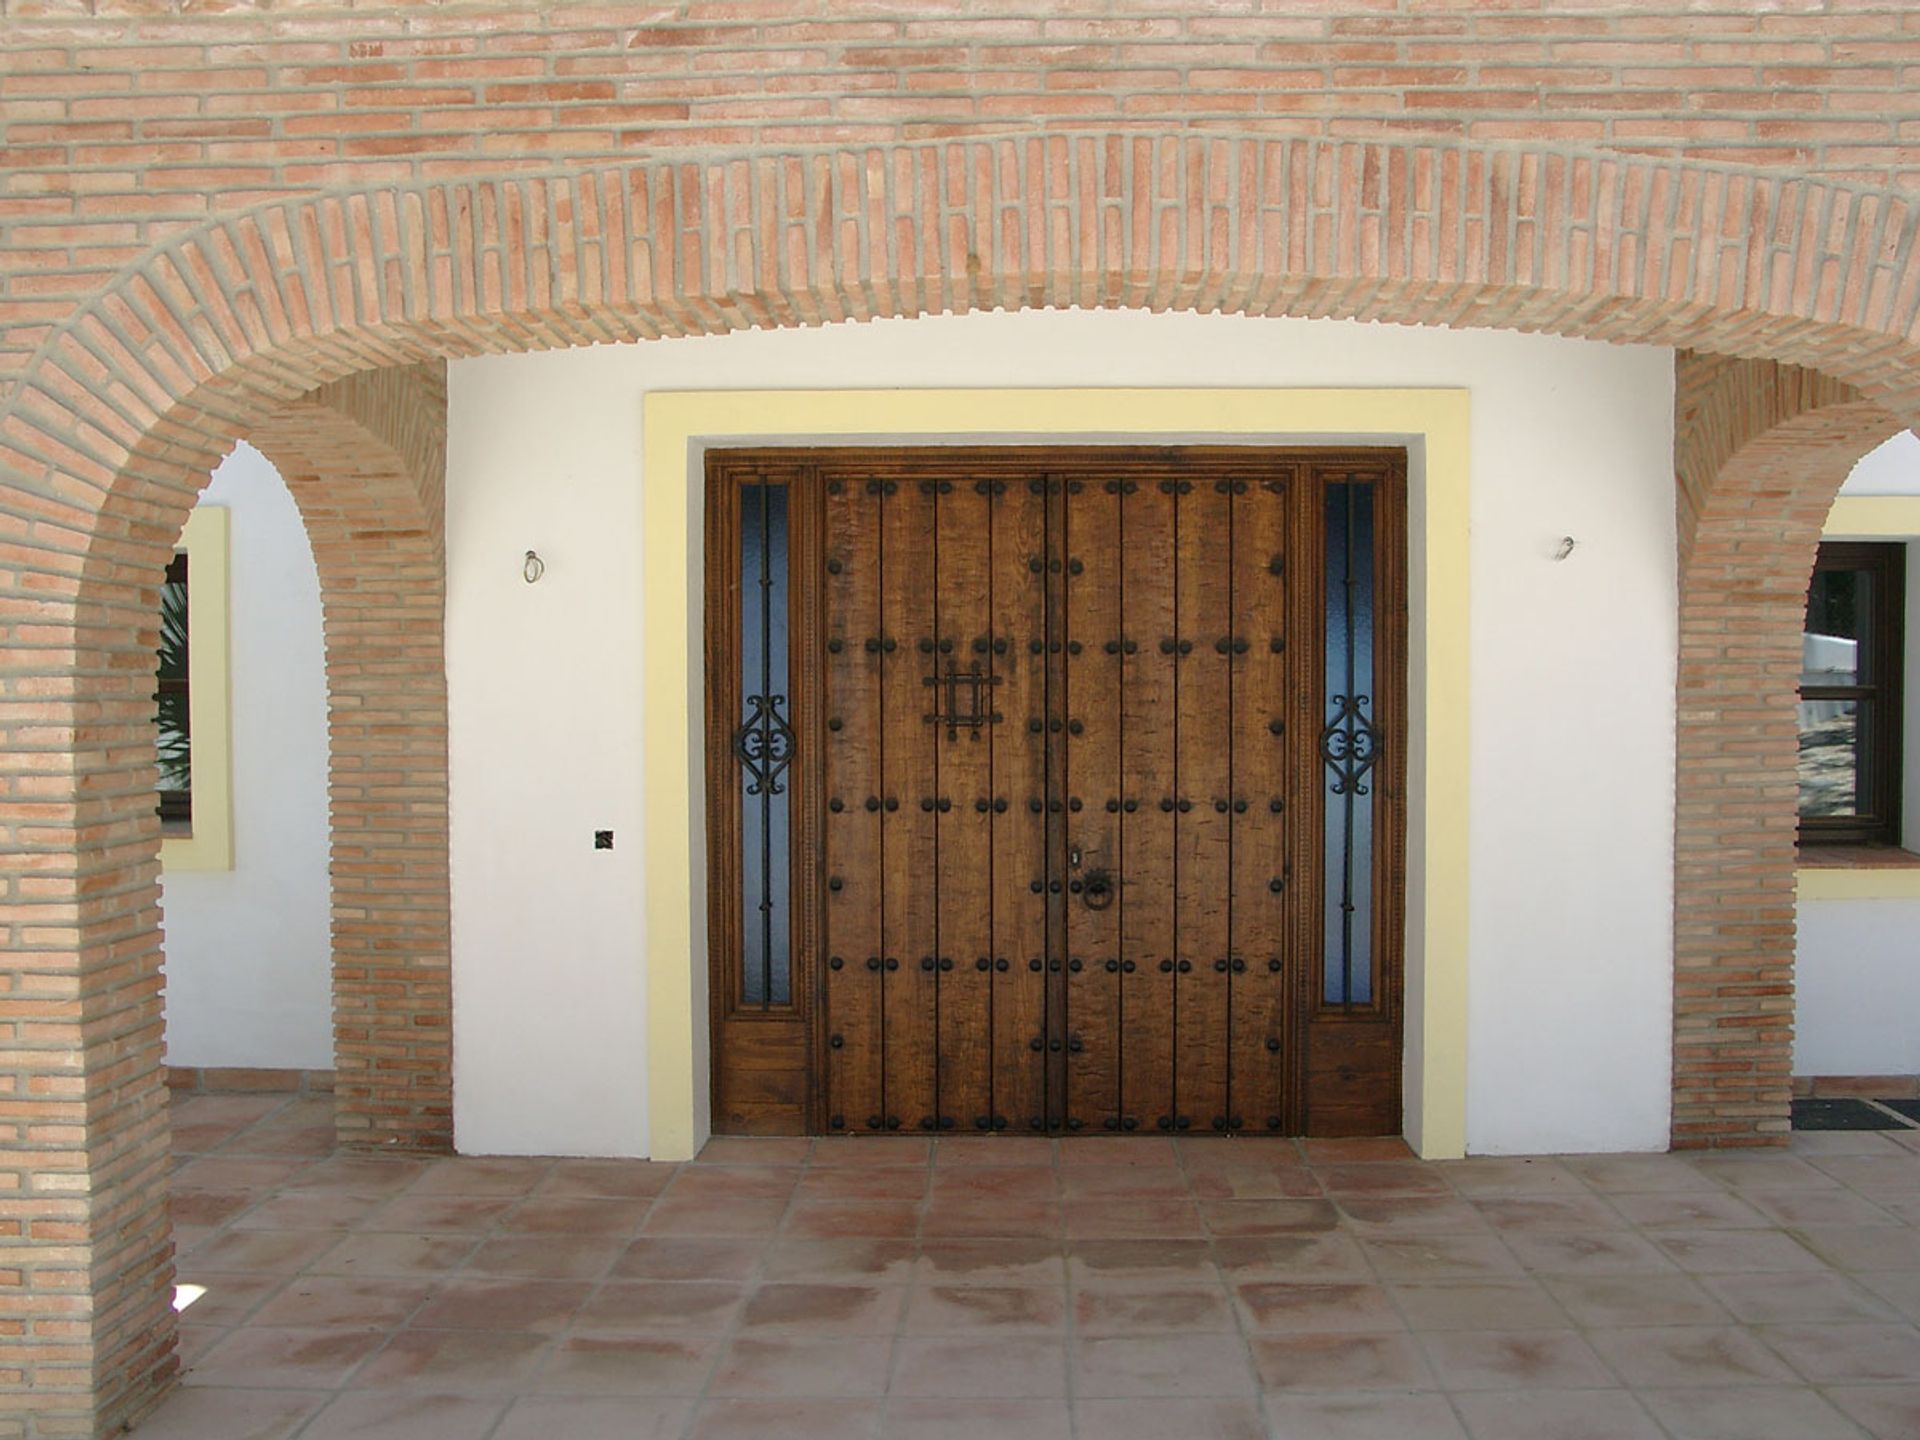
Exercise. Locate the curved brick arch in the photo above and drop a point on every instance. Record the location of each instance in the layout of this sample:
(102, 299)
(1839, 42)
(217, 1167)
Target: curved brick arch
(1761, 450)
(104, 438)
(365, 460)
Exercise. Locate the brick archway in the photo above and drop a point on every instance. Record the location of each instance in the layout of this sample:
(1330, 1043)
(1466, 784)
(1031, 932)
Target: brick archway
(1760, 449)
(365, 461)
(118, 415)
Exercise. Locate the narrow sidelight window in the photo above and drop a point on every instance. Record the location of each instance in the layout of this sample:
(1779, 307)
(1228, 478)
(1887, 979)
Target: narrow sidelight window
(172, 704)
(1850, 695)
(764, 744)
(1349, 744)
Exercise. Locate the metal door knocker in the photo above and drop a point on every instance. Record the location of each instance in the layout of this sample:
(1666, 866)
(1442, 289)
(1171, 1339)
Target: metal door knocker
(1098, 889)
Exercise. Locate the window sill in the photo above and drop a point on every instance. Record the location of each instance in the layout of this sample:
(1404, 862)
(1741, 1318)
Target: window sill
(1858, 872)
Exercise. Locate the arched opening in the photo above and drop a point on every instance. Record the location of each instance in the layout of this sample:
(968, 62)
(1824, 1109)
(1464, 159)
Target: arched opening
(131, 401)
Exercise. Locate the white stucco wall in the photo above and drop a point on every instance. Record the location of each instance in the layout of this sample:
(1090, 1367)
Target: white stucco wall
(248, 961)
(1572, 681)
(1857, 965)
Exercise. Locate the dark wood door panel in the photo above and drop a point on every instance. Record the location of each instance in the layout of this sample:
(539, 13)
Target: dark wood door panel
(1018, 828)
(1077, 883)
(1203, 807)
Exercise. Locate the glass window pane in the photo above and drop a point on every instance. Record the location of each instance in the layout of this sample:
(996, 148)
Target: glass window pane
(1349, 745)
(1839, 615)
(171, 700)
(1830, 734)
(764, 744)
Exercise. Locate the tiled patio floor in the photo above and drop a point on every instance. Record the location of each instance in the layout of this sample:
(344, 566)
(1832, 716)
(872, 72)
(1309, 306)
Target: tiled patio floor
(1104, 1289)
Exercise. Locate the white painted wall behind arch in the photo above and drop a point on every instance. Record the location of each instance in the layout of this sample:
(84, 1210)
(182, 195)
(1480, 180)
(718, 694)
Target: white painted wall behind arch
(248, 953)
(1572, 682)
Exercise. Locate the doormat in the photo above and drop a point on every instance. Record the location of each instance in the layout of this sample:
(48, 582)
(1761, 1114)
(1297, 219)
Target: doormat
(1842, 1115)
(1908, 1108)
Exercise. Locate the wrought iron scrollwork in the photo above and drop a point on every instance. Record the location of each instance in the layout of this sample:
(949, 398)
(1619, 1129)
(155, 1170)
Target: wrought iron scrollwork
(1350, 744)
(764, 744)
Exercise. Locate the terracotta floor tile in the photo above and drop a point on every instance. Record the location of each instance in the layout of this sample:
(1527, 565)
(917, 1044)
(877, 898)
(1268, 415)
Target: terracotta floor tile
(865, 1219)
(728, 1184)
(1000, 1309)
(668, 1363)
(1148, 1418)
(1231, 1218)
(210, 1413)
(549, 1257)
(378, 1252)
(281, 1252)
(1556, 1415)
(1886, 1412)
(1750, 1412)
(975, 1367)
(1292, 1257)
(1487, 1177)
(1160, 1309)
(1380, 1415)
(1588, 1255)
(466, 1176)
(1697, 1209)
(1548, 1214)
(1143, 1151)
(455, 1362)
(1688, 1356)
(439, 1214)
(662, 1306)
(565, 1215)
(209, 1208)
(994, 1151)
(817, 1309)
(979, 1216)
(582, 1417)
(607, 1179)
(686, 1258)
(1334, 1152)
(856, 1182)
(287, 1358)
(1890, 1176)
(1161, 1366)
(1112, 1262)
(1608, 1301)
(1292, 1182)
(1439, 1257)
(226, 1296)
(1011, 1183)
(839, 1419)
(994, 1262)
(1822, 1299)
(913, 1418)
(1899, 1288)
(888, 1262)
(1296, 1308)
(879, 1150)
(800, 1367)
(754, 1150)
(308, 1210)
(1514, 1360)
(1847, 1354)
(1478, 1305)
(1737, 1252)
(466, 1302)
(1758, 1170)
(1636, 1174)
(369, 1301)
(1121, 1182)
(1818, 1207)
(1411, 1215)
(370, 1177)
(401, 1415)
(1863, 1247)
(1379, 1179)
(1340, 1362)
(218, 1173)
(1143, 1219)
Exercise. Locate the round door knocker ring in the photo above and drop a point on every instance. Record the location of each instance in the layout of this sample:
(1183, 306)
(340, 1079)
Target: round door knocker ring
(1098, 890)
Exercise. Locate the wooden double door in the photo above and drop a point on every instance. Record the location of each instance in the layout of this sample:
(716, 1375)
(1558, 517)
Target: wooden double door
(1056, 791)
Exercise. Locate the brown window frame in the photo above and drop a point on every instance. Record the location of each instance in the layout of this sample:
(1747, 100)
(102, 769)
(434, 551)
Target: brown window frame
(1878, 703)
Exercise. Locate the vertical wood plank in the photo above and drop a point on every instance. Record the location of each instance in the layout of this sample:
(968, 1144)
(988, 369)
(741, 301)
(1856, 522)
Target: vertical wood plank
(1263, 759)
(1019, 831)
(963, 876)
(851, 771)
(1089, 714)
(1203, 713)
(910, 798)
(1147, 717)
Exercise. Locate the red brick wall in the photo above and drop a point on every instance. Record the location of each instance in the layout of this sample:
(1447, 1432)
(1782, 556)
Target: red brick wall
(204, 218)
(365, 458)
